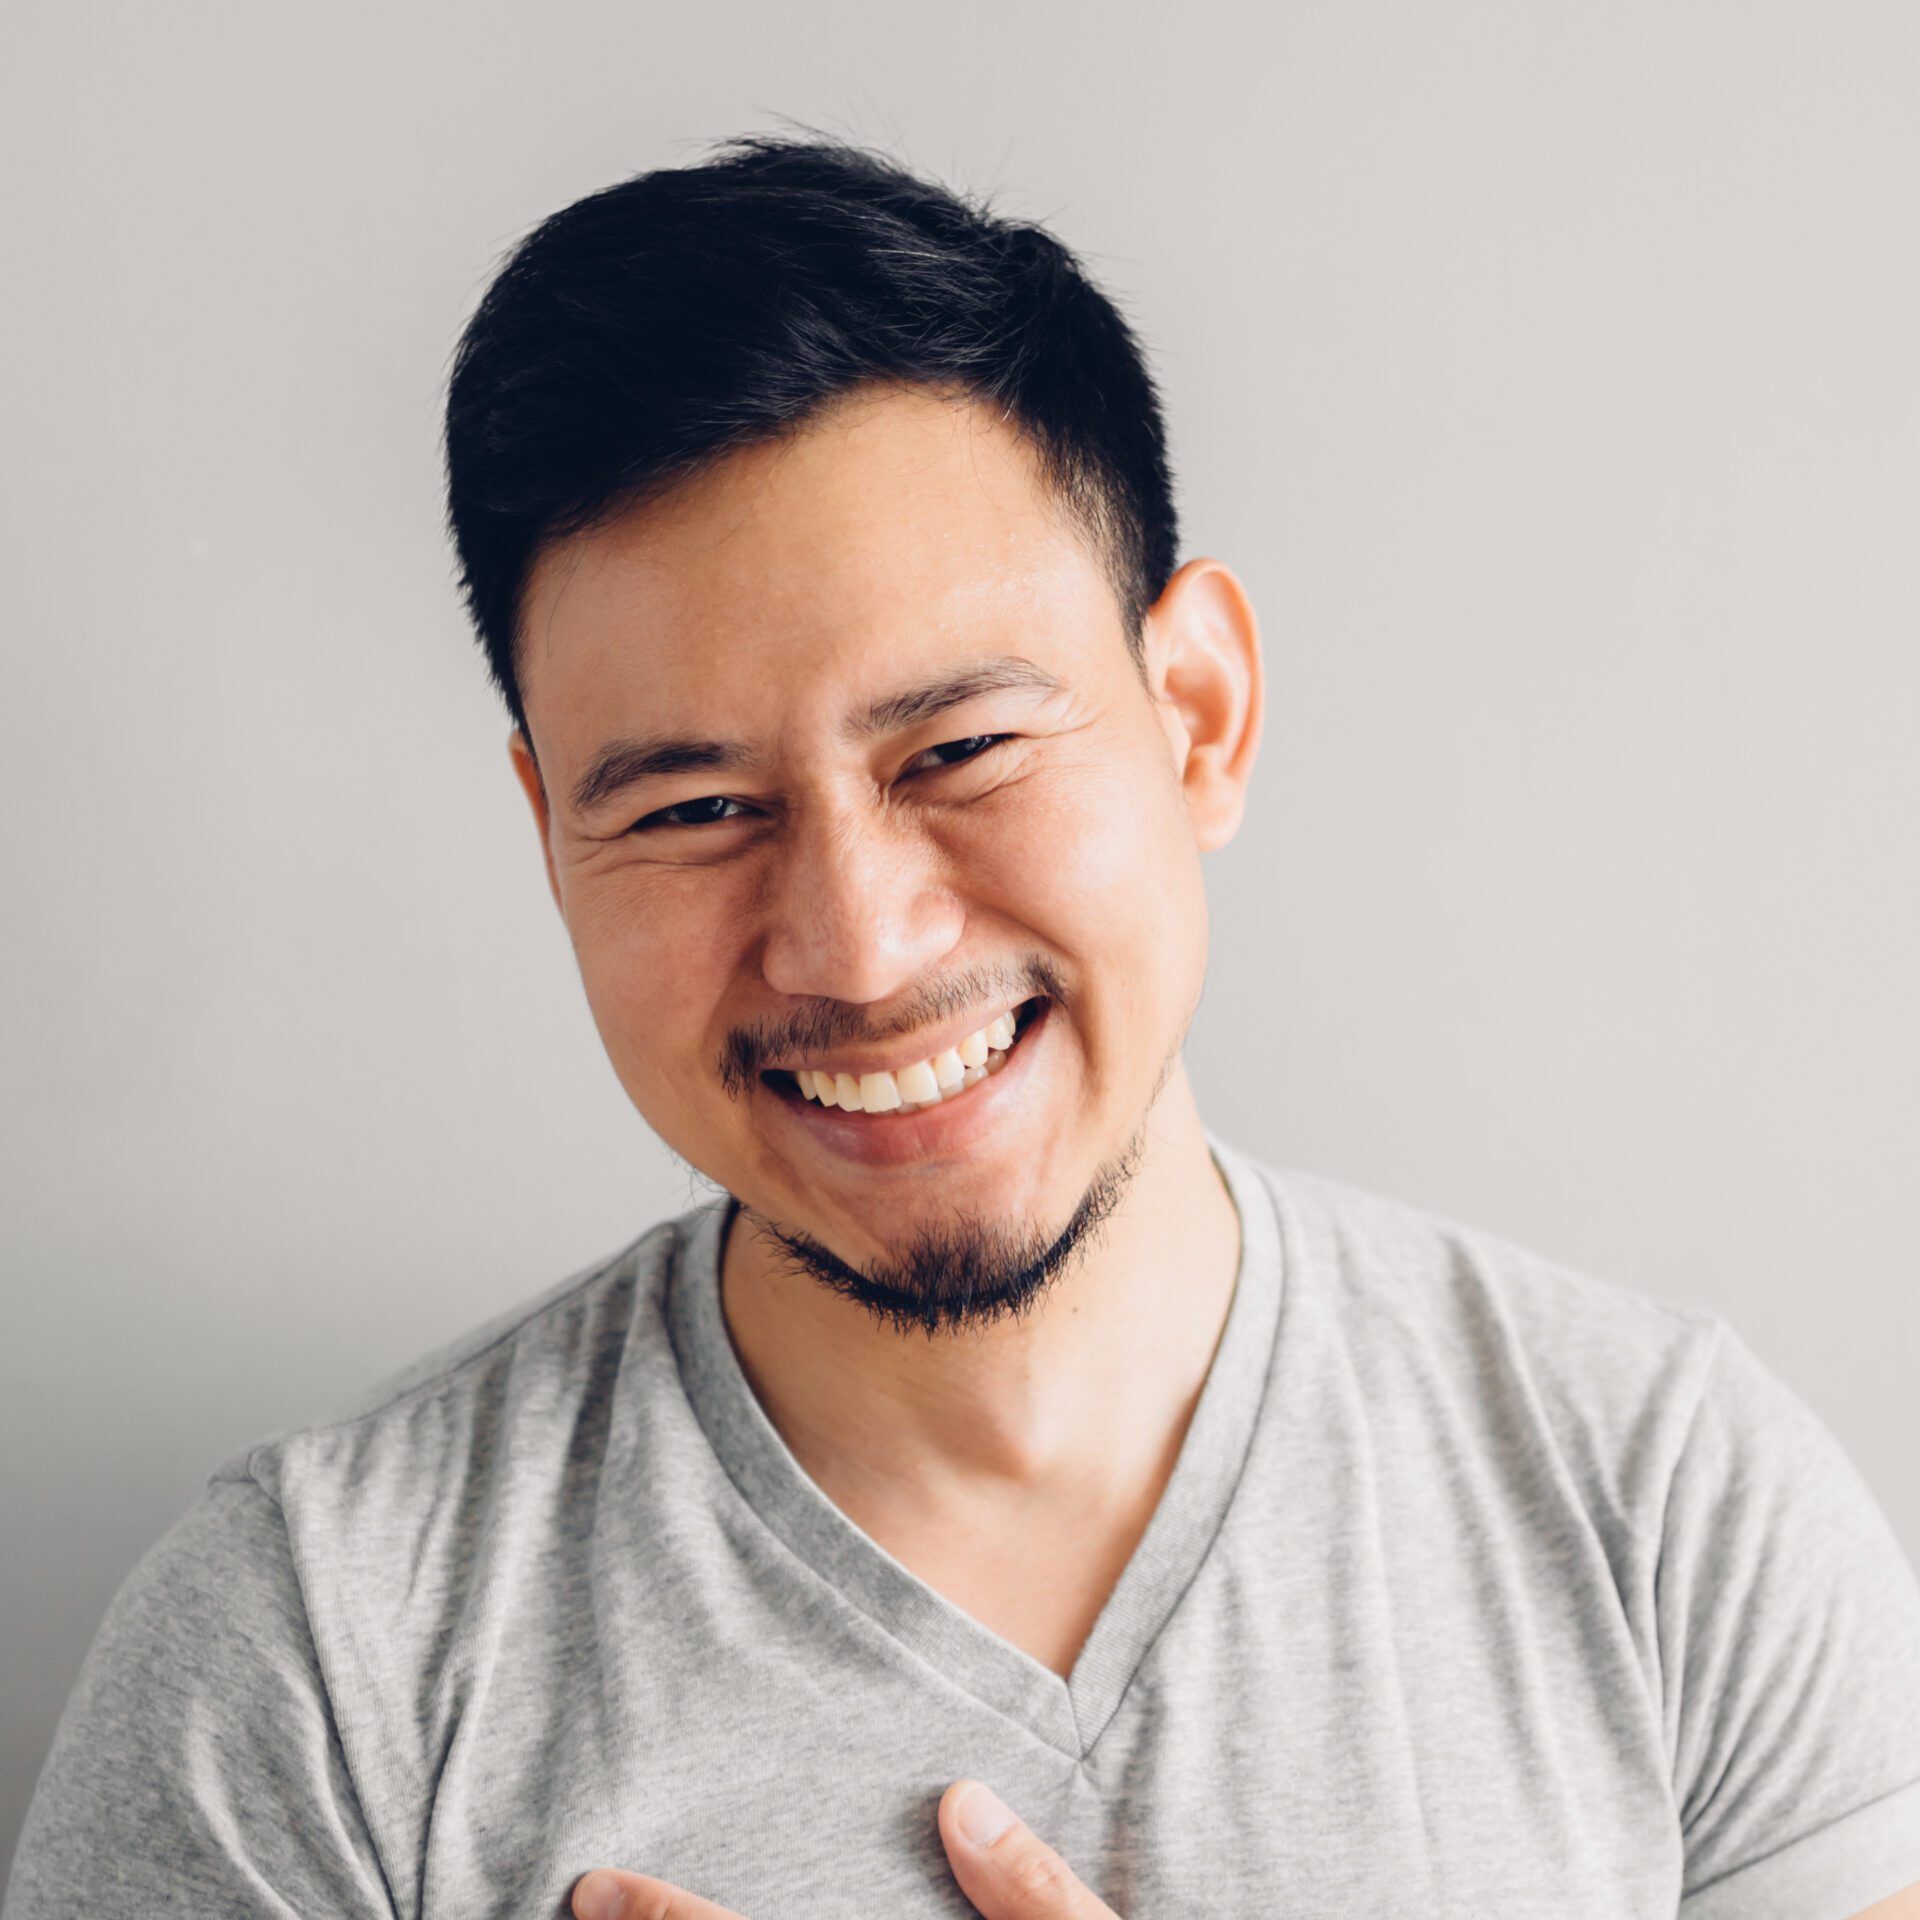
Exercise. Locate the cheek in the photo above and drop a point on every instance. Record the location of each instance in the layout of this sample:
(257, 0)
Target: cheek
(651, 952)
(1098, 859)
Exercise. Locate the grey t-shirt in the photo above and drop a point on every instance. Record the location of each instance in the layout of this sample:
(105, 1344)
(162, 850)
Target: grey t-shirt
(1481, 1587)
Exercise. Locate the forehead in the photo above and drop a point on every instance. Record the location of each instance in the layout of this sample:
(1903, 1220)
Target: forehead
(899, 531)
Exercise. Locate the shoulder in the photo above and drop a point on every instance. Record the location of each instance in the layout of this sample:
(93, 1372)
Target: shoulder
(218, 1586)
(509, 1382)
(197, 1759)
(1633, 1389)
(403, 1504)
(344, 1555)
(1607, 1372)
(1420, 1260)
(1774, 1613)
(1552, 1403)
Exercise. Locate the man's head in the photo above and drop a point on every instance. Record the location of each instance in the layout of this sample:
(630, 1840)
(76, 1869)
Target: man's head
(819, 532)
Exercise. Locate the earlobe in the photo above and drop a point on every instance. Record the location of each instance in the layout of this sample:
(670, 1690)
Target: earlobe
(1204, 667)
(527, 770)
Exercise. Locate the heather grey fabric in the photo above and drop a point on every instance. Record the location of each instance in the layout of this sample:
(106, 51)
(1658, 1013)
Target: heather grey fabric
(1482, 1587)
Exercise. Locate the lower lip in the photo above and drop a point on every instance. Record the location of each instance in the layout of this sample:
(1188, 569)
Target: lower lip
(934, 1133)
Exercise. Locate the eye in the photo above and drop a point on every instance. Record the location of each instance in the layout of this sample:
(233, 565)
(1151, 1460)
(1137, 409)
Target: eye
(706, 811)
(950, 753)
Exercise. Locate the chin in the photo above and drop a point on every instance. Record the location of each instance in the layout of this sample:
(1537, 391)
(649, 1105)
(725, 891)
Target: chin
(952, 1266)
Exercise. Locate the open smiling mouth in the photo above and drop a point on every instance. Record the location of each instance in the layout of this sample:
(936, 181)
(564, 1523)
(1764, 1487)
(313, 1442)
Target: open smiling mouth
(932, 1082)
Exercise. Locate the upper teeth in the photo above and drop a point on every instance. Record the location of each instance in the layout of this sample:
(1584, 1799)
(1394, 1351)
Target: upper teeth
(923, 1084)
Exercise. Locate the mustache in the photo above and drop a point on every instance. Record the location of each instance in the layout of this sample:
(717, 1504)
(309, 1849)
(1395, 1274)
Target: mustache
(827, 1024)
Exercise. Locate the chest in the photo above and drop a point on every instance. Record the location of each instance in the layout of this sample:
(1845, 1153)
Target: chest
(1296, 1746)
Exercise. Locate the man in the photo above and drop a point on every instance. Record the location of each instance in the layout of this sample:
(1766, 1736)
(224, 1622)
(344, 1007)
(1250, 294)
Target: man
(1005, 1497)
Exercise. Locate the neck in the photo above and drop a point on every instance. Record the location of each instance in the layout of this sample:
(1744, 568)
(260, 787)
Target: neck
(1084, 1396)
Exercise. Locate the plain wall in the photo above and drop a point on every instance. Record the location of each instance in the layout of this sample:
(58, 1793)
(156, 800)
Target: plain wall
(1547, 372)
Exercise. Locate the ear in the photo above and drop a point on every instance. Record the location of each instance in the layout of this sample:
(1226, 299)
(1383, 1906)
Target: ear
(1203, 671)
(527, 768)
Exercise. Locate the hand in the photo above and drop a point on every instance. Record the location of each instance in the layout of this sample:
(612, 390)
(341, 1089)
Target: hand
(1003, 1867)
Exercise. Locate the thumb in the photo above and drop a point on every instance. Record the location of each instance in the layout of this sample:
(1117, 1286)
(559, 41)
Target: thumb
(1004, 1867)
(609, 1893)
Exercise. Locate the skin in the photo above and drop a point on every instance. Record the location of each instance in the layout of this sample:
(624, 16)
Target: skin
(855, 880)
(871, 893)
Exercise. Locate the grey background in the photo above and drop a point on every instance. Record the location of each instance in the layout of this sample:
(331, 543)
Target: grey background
(1548, 373)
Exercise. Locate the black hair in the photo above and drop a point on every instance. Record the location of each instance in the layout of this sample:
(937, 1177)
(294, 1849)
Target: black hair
(637, 336)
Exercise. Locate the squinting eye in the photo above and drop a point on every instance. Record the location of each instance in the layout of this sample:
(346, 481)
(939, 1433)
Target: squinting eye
(688, 813)
(952, 752)
(712, 809)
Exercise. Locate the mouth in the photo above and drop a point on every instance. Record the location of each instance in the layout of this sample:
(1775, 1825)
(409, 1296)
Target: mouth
(914, 1087)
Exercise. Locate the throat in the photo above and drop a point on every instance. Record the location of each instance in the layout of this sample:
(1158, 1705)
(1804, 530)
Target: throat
(1038, 1579)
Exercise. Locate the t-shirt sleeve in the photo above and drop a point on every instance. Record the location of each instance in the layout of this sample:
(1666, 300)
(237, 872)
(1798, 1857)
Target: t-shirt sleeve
(1789, 1628)
(196, 1767)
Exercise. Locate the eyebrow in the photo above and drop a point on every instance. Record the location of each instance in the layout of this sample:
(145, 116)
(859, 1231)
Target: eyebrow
(621, 764)
(913, 704)
(624, 763)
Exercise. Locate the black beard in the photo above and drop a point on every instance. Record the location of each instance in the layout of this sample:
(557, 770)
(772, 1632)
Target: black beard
(965, 1274)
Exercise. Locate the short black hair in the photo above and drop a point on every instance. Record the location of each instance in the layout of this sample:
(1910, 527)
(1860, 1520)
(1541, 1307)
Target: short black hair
(637, 336)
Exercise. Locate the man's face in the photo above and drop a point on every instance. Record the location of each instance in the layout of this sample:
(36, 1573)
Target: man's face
(897, 776)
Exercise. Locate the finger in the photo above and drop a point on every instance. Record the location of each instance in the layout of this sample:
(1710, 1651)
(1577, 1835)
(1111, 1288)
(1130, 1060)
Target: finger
(1004, 1867)
(609, 1894)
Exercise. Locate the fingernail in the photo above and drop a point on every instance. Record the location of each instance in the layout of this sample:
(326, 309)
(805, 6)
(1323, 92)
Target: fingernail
(982, 1816)
(598, 1897)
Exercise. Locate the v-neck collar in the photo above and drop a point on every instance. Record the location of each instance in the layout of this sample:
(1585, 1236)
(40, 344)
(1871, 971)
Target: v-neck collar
(1071, 1713)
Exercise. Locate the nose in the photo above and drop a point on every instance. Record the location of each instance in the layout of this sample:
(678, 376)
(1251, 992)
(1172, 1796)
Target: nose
(856, 911)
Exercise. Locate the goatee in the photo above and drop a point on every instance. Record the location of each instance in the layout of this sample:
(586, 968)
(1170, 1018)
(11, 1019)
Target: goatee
(965, 1273)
